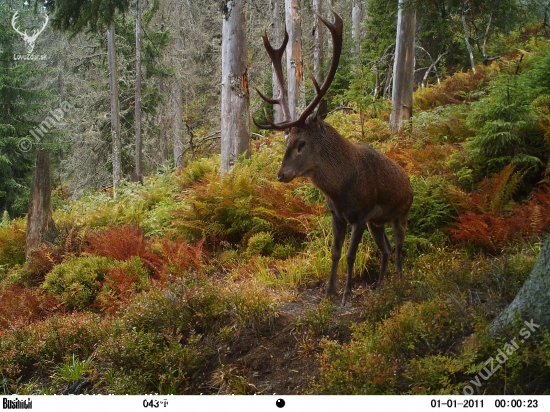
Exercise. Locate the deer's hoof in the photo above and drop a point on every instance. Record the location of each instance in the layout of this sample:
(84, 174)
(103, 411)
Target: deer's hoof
(331, 291)
(346, 298)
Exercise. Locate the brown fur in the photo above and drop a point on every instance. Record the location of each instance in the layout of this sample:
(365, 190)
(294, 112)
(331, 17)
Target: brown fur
(362, 187)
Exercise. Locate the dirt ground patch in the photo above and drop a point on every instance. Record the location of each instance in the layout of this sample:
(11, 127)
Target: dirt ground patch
(283, 360)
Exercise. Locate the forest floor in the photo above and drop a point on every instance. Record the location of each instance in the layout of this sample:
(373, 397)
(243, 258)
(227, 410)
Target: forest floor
(284, 360)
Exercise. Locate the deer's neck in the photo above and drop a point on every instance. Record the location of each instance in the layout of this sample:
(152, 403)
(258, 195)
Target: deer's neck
(337, 166)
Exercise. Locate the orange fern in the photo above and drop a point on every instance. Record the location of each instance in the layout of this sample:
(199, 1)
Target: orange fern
(178, 256)
(122, 243)
(22, 306)
(493, 230)
(455, 89)
(41, 261)
(493, 194)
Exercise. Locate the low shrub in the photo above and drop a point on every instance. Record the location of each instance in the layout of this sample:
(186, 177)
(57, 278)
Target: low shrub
(228, 212)
(443, 124)
(21, 306)
(260, 244)
(12, 245)
(31, 350)
(376, 359)
(179, 257)
(507, 131)
(77, 280)
(147, 362)
(185, 306)
(252, 308)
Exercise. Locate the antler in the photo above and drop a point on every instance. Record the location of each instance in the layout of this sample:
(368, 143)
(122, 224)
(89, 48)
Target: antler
(276, 55)
(13, 20)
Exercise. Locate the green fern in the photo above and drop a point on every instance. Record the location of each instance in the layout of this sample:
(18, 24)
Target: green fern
(506, 127)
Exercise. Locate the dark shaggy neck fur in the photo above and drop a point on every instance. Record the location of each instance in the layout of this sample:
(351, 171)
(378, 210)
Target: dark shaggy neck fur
(339, 154)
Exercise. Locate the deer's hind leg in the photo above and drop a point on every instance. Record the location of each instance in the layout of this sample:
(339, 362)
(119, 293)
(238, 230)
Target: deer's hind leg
(399, 226)
(378, 233)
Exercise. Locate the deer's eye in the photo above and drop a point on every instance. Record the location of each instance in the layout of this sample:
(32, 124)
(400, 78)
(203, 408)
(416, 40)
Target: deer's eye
(300, 146)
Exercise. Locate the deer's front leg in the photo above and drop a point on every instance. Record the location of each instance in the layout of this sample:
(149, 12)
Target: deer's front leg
(339, 232)
(356, 236)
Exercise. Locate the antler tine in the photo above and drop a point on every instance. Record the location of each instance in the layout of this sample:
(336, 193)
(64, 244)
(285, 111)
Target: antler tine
(267, 99)
(261, 126)
(272, 125)
(336, 30)
(315, 84)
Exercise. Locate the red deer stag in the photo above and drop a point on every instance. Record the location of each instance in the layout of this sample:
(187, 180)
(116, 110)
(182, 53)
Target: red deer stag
(362, 186)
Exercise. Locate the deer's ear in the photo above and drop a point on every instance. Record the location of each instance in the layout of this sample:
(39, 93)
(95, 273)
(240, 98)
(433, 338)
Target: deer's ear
(318, 115)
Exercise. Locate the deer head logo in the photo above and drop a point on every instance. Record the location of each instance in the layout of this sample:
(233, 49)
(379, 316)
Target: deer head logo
(29, 40)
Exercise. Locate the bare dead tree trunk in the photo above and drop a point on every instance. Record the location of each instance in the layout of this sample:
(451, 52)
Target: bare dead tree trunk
(139, 141)
(163, 143)
(115, 111)
(294, 63)
(235, 123)
(356, 21)
(40, 225)
(403, 67)
(276, 36)
(318, 41)
(467, 37)
(178, 123)
(532, 302)
(178, 95)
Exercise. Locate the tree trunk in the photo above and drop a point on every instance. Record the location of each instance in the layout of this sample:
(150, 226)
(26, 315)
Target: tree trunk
(277, 39)
(294, 63)
(40, 225)
(235, 127)
(115, 111)
(533, 300)
(163, 142)
(485, 38)
(403, 67)
(178, 123)
(318, 41)
(139, 142)
(356, 21)
(466, 38)
(177, 96)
